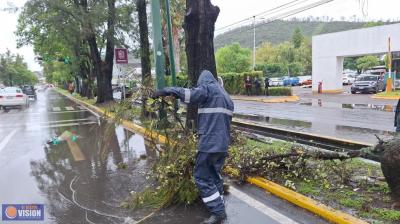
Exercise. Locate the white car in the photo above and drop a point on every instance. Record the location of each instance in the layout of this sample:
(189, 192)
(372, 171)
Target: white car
(13, 96)
(276, 82)
(349, 78)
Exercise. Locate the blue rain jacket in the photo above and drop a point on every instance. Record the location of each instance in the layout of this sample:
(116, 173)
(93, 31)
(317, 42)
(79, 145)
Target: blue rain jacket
(215, 112)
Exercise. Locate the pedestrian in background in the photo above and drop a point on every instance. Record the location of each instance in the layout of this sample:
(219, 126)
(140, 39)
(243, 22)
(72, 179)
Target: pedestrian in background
(248, 85)
(257, 84)
(397, 117)
(266, 84)
(213, 128)
(71, 87)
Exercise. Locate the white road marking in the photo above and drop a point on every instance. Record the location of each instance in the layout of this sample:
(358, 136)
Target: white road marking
(56, 109)
(39, 123)
(5, 140)
(280, 218)
(38, 127)
(69, 108)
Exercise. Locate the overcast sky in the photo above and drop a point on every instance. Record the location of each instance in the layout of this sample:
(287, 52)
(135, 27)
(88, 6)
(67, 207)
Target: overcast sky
(231, 11)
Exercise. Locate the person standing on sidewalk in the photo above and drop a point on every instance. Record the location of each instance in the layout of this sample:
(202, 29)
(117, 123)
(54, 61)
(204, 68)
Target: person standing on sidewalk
(266, 83)
(397, 117)
(214, 123)
(248, 85)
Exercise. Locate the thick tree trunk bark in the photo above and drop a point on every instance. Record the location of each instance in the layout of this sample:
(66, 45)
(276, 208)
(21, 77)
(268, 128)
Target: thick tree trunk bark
(109, 58)
(199, 27)
(144, 51)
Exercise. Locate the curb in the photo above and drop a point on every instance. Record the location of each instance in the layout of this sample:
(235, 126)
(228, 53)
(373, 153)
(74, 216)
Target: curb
(385, 97)
(300, 200)
(274, 100)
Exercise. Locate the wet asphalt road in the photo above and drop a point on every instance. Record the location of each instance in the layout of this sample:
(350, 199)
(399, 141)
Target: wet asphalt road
(80, 183)
(346, 116)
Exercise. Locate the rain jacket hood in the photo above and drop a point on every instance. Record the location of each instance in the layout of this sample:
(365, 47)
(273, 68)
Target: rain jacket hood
(205, 78)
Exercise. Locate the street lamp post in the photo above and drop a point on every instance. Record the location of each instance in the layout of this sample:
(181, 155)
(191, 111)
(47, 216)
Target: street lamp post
(254, 43)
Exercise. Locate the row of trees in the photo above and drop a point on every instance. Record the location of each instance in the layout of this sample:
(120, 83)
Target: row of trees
(292, 57)
(87, 31)
(14, 71)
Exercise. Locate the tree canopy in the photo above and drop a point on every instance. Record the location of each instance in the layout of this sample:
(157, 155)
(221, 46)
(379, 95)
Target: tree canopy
(233, 58)
(14, 71)
(366, 62)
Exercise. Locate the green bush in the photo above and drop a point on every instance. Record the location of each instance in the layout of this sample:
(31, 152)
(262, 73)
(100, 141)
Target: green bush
(280, 91)
(234, 82)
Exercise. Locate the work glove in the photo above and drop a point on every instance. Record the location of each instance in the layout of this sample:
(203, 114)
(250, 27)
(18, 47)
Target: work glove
(159, 93)
(164, 92)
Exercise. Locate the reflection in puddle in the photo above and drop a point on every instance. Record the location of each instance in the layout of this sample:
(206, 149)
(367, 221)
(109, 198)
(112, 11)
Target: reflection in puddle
(92, 189)
(276, 121)
(320, 103)
(340, 131)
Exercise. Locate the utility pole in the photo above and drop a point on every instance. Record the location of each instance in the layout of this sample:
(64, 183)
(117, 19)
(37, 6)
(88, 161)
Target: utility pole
(157, 44)
(158, 49)
(254, 43)
(170, 44)
(389, 83)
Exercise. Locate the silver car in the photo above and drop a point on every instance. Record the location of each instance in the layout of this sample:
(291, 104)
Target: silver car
(368, 84)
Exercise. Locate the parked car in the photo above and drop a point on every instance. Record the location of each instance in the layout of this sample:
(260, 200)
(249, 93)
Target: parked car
(13, 96)
(306, 82)
(348, 78)
(276, 82)
(30, 92)
(291, 81)
(368, 84)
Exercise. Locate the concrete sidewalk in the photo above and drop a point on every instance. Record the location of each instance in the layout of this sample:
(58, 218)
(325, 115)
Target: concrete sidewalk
(266, 99)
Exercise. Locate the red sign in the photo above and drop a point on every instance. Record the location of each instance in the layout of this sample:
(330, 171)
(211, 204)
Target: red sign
(121, 56)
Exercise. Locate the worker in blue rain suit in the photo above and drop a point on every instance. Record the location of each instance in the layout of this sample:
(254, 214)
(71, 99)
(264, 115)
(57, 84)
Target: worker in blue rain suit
(214, 121)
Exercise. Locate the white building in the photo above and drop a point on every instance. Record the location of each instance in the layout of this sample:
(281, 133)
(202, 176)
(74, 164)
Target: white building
(329, 51)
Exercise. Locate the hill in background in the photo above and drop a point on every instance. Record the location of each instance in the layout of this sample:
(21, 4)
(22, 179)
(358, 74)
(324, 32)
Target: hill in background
(280, 31)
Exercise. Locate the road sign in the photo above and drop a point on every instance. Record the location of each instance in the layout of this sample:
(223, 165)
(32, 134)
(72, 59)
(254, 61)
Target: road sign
(121, 56)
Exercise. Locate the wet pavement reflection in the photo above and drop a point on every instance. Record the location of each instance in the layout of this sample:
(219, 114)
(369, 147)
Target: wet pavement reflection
(341, 131)
(357, 106)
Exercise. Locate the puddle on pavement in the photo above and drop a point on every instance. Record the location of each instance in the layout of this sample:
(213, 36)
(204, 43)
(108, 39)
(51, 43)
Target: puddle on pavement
(274, 121)
(320, 103)
(92, 189)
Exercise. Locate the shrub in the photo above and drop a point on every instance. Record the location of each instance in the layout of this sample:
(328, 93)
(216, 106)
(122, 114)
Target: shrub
(280, 91)
(234, 82)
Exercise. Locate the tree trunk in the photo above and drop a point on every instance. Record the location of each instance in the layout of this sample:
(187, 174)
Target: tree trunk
(144, 51)
(108, 65)
(177, 48)
(199, 27)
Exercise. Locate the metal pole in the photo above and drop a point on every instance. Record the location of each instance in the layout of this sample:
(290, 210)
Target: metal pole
(389, 83)
(254, 43)
(170, 43)
(157, 44)
(158, 49)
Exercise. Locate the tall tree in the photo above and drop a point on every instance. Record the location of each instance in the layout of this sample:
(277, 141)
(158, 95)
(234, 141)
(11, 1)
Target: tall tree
(199, 26)
(144, 49)
(233, 58)
(297, 38)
